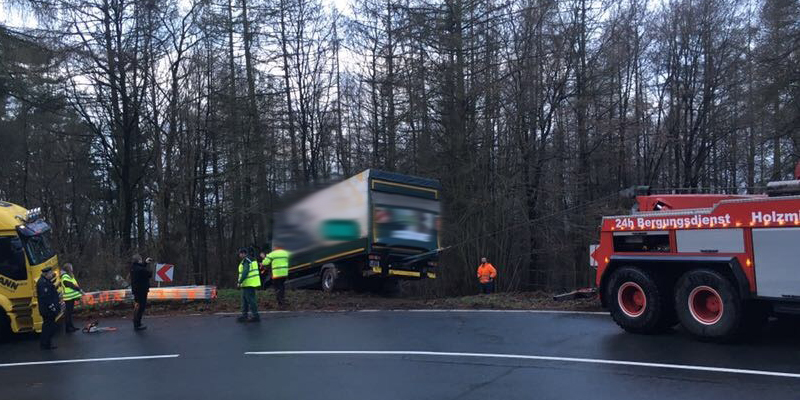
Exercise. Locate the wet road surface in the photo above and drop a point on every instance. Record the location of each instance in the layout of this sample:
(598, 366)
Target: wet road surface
(398, 355)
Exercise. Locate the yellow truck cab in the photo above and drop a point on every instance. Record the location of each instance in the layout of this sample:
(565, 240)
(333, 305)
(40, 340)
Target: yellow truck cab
(25, 250)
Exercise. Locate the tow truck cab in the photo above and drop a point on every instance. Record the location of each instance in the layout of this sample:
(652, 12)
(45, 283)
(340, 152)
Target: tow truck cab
(25, 249)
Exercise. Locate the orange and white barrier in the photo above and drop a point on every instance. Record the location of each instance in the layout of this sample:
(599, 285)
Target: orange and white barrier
(156, 294)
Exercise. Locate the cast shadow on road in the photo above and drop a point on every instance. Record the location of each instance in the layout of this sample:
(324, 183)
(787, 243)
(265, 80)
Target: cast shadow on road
(778, 342)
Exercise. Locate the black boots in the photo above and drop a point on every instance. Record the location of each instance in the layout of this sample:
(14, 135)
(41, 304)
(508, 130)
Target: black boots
(244, 318)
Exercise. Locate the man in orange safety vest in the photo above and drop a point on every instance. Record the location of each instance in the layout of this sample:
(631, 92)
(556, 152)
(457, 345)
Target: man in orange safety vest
(486, 276)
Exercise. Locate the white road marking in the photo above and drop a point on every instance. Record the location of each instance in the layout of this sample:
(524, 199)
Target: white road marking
(260, 312)
(511, 311)
(538, 358)
(431, 311)
(84, 360)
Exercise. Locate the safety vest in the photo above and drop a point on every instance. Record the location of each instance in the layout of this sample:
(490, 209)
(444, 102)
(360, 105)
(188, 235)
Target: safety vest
(70, 293)
(253, 278)
(486, 272)
(280, 263)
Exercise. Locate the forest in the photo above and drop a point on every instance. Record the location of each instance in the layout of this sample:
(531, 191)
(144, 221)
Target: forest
(176, 129)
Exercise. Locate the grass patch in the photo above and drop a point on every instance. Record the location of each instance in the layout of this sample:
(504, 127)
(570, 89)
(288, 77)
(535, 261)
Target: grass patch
(229, 300)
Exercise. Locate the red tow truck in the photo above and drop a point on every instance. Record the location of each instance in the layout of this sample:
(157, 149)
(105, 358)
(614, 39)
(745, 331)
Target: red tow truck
(717, 264)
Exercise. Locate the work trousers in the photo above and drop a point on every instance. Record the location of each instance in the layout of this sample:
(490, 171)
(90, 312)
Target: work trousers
(249, 301)
(280, 290)
(139, 305)
(69, 307)
(487, 288)
(48, 330)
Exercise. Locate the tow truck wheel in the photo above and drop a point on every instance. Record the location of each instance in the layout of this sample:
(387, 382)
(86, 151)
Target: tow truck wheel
(637, 303)
(708, 305)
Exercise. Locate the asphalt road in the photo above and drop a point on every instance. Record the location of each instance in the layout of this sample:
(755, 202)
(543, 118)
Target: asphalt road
(418, 355)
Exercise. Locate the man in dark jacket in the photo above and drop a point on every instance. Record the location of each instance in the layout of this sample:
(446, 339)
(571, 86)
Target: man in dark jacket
(49, 307)
(140, 286)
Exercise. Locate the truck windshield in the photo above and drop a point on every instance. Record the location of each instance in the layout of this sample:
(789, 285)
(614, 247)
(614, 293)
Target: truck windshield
(12, 258)
(38, 248)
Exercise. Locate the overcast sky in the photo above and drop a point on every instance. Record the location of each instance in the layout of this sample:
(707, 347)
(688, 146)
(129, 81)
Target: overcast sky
(14, 18)
(11, 17)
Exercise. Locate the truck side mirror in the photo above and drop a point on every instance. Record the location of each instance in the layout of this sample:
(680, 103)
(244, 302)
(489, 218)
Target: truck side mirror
(340, 229)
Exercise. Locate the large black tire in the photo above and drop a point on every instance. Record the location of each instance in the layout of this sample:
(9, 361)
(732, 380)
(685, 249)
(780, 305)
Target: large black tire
(709, 306)
(5, 327)
(329, 279)
(637, 303)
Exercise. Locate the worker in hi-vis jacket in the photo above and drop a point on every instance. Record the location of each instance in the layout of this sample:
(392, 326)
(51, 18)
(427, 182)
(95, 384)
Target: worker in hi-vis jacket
(486, 275)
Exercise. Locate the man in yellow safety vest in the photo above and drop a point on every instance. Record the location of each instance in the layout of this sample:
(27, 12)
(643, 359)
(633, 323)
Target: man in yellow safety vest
(72, 292)
(279, 260)
(249, 280)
